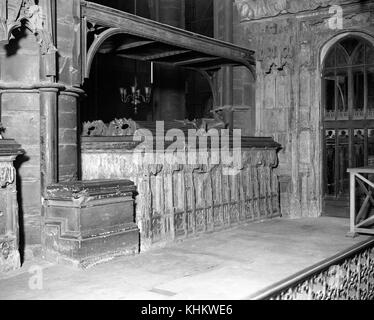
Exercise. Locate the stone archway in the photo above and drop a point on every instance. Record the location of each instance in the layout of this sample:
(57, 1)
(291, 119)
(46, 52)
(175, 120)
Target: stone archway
(347, 71)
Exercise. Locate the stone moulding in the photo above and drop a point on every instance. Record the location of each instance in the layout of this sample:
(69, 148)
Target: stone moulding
(89, 222)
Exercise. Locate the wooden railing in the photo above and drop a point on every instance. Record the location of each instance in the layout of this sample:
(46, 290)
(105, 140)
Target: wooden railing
(361, 217)
(348, 275)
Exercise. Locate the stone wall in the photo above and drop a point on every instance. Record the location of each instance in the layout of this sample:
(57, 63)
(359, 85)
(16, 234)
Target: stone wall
(20, 115)
(39, 98)
(288, 37)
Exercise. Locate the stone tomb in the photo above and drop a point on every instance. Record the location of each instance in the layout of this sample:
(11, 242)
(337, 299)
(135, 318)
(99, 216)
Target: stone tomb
(177, 201)
(89, 222)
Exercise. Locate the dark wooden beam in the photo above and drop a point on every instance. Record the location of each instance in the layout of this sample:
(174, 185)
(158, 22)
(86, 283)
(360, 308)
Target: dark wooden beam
(212, 64)
(191, 62)
(180, 57)
(135, 44)
(166, 54)
(151, 56)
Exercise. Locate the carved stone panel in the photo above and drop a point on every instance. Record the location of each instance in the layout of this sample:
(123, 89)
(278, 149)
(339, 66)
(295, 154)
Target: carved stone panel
(182, 201)
(258, 9)
(37, 17)
(9, 236)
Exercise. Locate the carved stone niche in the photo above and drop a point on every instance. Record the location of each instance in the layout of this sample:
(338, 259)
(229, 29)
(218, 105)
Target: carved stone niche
(89, 222)
(9, 231)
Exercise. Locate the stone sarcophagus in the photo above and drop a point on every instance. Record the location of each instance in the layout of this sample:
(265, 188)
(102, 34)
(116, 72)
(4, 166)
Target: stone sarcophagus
(180, 200)
(9, 231)
(89, 222)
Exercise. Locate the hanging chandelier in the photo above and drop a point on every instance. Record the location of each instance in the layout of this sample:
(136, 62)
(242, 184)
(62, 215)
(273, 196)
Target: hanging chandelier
(135, 96)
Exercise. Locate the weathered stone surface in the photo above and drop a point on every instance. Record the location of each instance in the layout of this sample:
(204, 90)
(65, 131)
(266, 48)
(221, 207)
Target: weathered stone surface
(68, 162)
(21, 67)
(30, 194)
(15, 102)
(180, 201)
(69, 42)
(24, 126)
(249, 9)
(68, 172)
(68, 136)
(29, 172)
(288, 83)
(9, 229)
(20, 116)
(89, 222)
(32, 228)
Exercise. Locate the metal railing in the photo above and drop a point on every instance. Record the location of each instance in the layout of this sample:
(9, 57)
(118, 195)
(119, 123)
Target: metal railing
(348, 275)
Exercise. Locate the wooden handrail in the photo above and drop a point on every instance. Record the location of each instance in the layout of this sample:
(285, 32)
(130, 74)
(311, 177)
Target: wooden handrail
(356, 225)
(365, 180)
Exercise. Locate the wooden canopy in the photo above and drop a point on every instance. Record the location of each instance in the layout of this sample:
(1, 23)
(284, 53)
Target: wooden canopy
(134, 37)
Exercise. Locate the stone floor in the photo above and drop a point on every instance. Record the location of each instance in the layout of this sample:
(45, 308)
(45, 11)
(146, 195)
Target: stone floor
(231, 264)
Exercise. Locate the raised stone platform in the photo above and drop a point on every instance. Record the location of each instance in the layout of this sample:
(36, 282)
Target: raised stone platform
(89, 222)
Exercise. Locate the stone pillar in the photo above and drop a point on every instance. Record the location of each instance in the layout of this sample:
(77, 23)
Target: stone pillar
(30, 97)
(68, 33)
(9, 229)
(169, 95)
(48, 137)
(20, 115)
(68, 111)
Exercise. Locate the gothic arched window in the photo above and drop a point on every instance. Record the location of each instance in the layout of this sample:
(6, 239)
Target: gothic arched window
(348, 75)
(348, 103)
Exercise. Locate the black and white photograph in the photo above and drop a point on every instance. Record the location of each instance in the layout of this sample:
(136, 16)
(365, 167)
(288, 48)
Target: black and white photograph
(186, 155)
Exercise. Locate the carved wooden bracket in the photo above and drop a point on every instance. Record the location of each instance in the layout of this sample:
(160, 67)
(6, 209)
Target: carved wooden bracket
(100, 34)
(15, 14)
